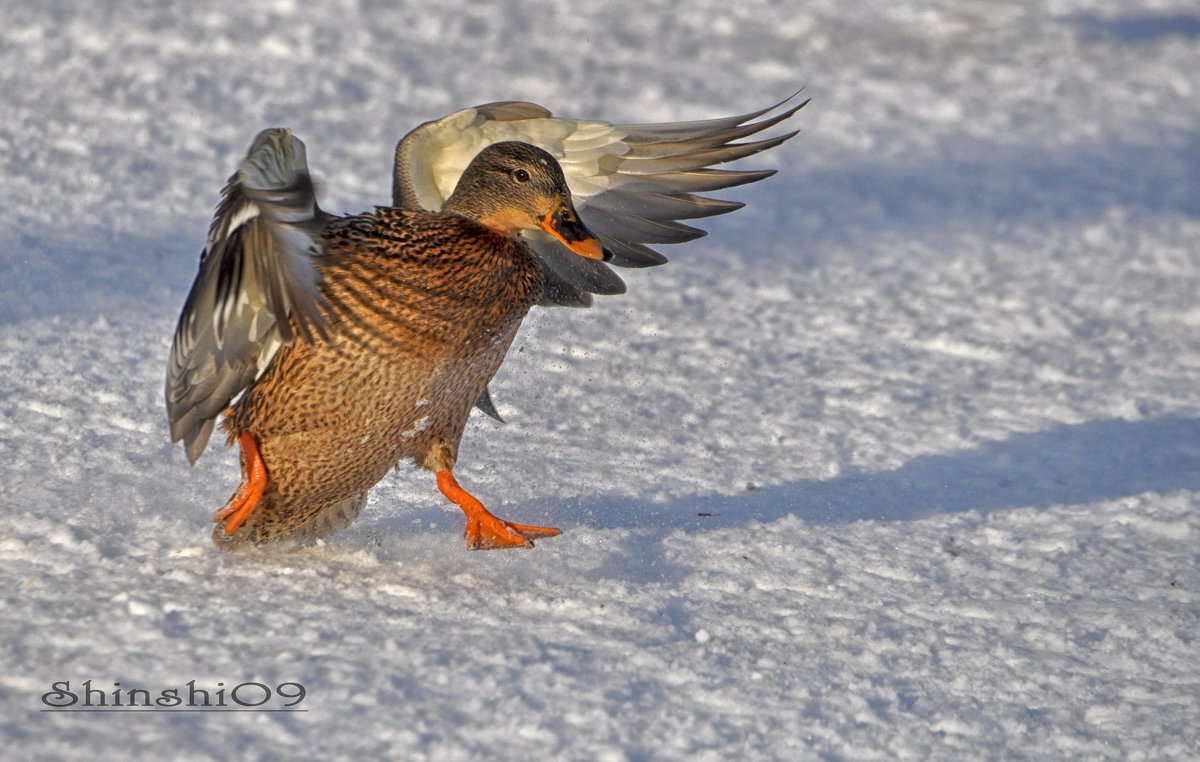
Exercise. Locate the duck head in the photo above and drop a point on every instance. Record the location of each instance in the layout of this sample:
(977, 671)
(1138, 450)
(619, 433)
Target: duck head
(512, 186)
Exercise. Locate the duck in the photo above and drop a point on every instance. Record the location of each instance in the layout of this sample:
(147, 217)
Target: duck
(333, 348)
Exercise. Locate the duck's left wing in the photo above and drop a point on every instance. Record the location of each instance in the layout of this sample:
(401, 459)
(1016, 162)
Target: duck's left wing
(631, 183)
(257, 288)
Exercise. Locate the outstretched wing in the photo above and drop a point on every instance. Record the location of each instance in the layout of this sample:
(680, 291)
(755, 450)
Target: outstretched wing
(631, 183)
(256, 289)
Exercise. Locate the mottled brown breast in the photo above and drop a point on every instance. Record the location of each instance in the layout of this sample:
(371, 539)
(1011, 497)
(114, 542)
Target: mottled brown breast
(419, 277)
(421, 308)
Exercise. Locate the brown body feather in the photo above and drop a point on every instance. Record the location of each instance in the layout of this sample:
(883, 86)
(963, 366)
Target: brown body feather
(421, 309)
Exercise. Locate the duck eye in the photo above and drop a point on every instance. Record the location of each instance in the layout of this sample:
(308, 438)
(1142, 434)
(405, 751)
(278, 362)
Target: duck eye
(520, 175)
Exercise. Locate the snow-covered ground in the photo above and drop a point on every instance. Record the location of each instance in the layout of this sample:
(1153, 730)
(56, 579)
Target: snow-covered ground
(901, 462)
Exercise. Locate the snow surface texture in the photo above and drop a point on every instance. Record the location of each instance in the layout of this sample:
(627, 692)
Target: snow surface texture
(901, 462)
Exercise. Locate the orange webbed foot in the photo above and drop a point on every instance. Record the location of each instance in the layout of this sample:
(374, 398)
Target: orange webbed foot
(492, 533)
(484, 531)
(254, 481)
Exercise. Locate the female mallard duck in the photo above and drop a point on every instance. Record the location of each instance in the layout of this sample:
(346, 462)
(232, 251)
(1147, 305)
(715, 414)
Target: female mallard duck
(353, 343)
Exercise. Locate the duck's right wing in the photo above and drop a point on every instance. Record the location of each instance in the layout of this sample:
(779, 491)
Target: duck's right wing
(257, 288)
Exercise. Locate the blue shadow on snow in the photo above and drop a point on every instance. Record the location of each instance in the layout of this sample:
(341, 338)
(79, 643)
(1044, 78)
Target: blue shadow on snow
(1068, 464)
(1136, 29)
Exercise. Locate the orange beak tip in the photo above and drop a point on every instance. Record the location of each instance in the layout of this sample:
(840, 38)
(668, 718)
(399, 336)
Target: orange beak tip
(590, 248)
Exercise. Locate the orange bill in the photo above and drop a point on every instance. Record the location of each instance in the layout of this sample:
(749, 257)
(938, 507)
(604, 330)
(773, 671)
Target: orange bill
(562, 222)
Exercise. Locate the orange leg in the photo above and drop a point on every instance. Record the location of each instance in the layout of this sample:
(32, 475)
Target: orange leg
(254, 481)
(484, 531)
